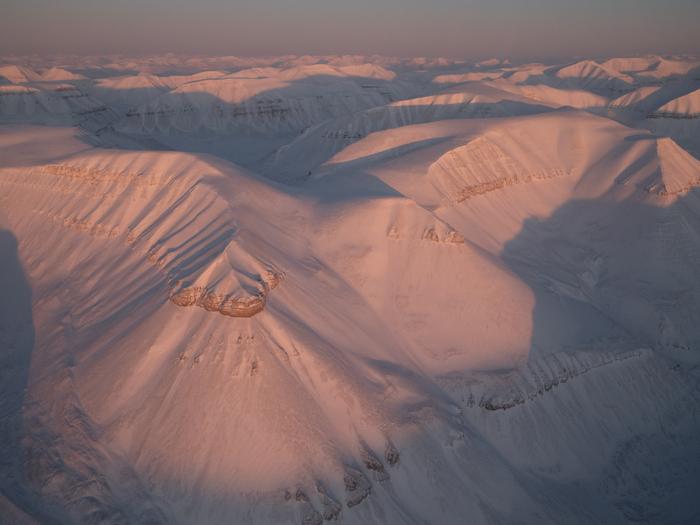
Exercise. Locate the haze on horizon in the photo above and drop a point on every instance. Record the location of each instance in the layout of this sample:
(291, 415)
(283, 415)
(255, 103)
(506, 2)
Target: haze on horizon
(454, 28)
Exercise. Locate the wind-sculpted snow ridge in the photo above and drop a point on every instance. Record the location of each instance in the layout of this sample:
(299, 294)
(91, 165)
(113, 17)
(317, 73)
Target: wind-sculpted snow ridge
(642, 99)
(673, 172)
(594, 77)
(59, 74)
(669, 110)
(538, 377)
(687, 106)
(651, 69)
(554, 97)
(480, 167)
(683, 130)
(648, 100)
(19, 74)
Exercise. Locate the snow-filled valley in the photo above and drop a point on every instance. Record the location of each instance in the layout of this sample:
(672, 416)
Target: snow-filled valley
(363, 290)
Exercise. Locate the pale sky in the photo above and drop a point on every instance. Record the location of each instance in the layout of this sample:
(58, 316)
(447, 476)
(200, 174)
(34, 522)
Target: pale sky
(453, 28)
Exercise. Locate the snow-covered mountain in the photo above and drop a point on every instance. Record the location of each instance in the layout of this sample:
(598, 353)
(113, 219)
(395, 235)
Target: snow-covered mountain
(434, 293)
(686, 106)
(257, 101)
(53, 103)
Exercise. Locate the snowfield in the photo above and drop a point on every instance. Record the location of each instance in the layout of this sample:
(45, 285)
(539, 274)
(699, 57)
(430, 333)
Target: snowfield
(363, 290)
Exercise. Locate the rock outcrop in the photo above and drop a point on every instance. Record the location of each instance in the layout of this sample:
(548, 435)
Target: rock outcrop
(226, 304)
(357, 487)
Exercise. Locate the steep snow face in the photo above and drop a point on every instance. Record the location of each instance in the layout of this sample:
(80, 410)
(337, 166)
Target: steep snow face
(666, 111)
(255, 105)
(553, 97)
(594, 77)
(679, 118)
(631, 65)
(471, 76)
(59, 74)
(288, 101)
(488, 149)
(687, 106)
(641, 98)
(53, 104)
(526, 74)
(651, 69)
(318, 144)
(481, 166)
(368, 71)
(673, 171)
(670, 68)
(439, 303)
(585, 76)
(130, 92)
(18, 74)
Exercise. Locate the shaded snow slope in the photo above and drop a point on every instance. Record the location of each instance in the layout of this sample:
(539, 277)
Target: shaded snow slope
(687, 106)
(129, 92)
(671, 170)
(288, 101)
(61, 104)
